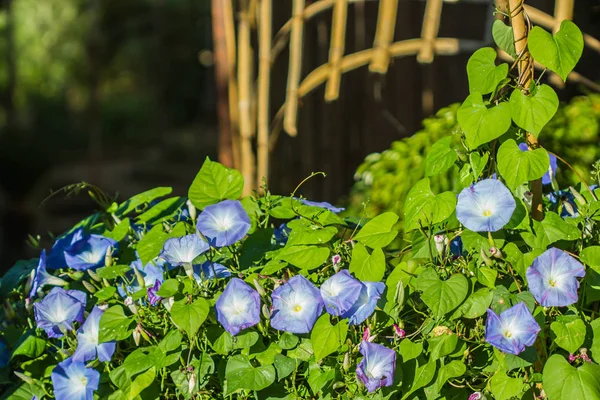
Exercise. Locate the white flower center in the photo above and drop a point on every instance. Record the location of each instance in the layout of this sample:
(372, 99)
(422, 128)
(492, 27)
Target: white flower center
(224, 223)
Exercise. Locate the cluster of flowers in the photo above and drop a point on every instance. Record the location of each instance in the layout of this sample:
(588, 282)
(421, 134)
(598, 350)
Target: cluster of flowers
(487, 206)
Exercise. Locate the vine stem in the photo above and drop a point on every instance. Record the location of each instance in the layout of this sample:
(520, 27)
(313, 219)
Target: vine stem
(576, 173)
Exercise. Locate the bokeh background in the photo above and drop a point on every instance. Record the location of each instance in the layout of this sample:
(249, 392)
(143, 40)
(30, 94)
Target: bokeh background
(121, 94)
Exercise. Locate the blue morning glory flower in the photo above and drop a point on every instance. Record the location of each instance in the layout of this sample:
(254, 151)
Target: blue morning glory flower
(206, 271)
(151, 272)
(340, 292)
(4, 354)
(56, 256)
(362, 309)
(456, 247)
(88, 252)
(377, 367)
(548, 176)
(296, 305)
(41, 277)
(224, 223)
(512, 330)
(88, 347)
(183, 250)
(281, 235)
(485, 206)
(73, 381)
(238, 307)
(152, 296)
(322, 204)
(58, 310)
(552, 278)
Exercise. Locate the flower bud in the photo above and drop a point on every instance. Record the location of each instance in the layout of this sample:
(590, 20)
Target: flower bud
(399, 332)
(103, 306)
(441, 330)
(265, 312)
(108, 257)
(105, 283)
(366, 334)
(338, 385)
(24, 378)
(528, 199)
(89, 287)
(346, 365)
(94, 275)
(130, 304)
(440, 243)
(259, 288)
(191, 209)
(139, 278)
(578, 197)
(496, 252)
(136, 336)
(476, 396)
(486, 259)
(168, 302)
(192, 384)
(572, 358)
(584, 356)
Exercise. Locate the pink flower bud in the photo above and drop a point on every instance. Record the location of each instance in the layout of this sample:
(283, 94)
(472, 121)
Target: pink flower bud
(399, 332)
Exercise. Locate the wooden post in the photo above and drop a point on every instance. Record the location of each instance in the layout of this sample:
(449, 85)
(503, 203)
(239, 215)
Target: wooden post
(295, 67)
(264, 71)
(336, 49)
(431, 26)
(384, 36)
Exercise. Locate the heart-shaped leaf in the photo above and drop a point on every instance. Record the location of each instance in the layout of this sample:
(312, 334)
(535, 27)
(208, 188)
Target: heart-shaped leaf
(482, 124)
(441, 157)
(518, 166)
(560, 52)
(484, 75)
(504, 38)
(423, 207)
(241, 374)
(533, 112)
(569, 335)
(563, 381)
(442, 296)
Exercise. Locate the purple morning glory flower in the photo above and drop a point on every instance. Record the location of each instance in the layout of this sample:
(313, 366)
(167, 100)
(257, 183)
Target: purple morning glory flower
(88, 347)
(224, 223)
(322, 204)
(73, 381)
(58, 310)
(151, 272)
(456, 247)
(238, 307)
(207, 271)
(485, 206)
(362, 309)
(552, 278)
(152, 296)
(4, 354)
(547, 178)
(296, 305)
(512, 330)
(41, 277)
(183, 250)
(377, 367)
(340, 292)
(56, 256)
(88, 252)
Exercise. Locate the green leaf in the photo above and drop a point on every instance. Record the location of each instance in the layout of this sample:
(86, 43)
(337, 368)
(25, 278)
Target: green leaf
(482, 71)
(113, 272)
(486, 276)
(245, 340)
(162, 211)
(29, 345)
(151, 244)
(114, 325)
(120, 231)
(305, 257)
(478, 163)
(284, 366)
(481, 124)
(105, 293)
(423, 207)
(219, 339)
(121, 378)
(440, 157)
(365, 266)
(305, 232)
(518, 166)
(504, 388)
(423, 375)
(595, 347)
(189, 317)
(168, 288)
(476, 304)
(563, 381)
(16, 274)
(410, 350)
(327, 338)
(141, 382)
(240, 374)
(559, 53)
(504, 38)
(441, 296)
(442, 345)
(533, 112)
(569, 335)
(26, 391)
(214, 183)
(318, 377)
(288, 341)
(142, 198)
(591, 257)
(552, 229)
(378, 232)
(453, 369)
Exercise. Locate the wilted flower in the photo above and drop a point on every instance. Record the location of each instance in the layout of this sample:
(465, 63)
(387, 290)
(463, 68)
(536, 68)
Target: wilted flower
(399, 331)
(340, 292)
(322, 204)
(88, 252)
(224, 223)
(549, 175)
(87, 340)
(152, 296)
(485, 206)
(336, 259)
(238, 307)
(4, 354)
(296, 306)
(41, 277)
(207, 270)
(476, 396)
(572, 358)
(73, 381)
(183, 250)
(552, 278)
(58, 310)
(56, 256)
(584, 355)
(512, 330)
(377, 367)
(456, 247)
(366, 303)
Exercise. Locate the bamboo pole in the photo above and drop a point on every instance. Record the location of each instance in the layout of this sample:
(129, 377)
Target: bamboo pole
(264, 66)
(245, 89)
(295, 67)
(228, 24)
(526, 68)
(386, 24)
(336, 49)
(431, 26)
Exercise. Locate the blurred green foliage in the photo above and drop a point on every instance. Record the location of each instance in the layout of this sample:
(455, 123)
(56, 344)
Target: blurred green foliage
(384, 179)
